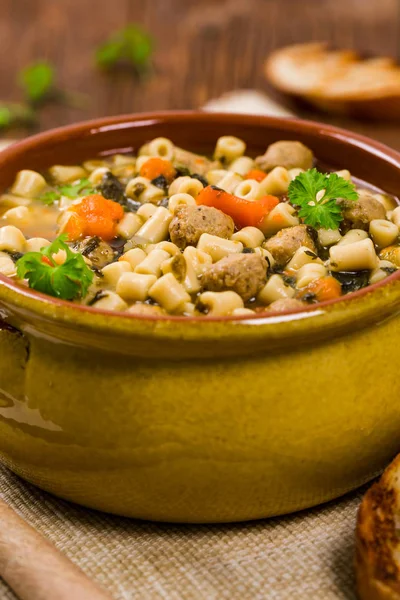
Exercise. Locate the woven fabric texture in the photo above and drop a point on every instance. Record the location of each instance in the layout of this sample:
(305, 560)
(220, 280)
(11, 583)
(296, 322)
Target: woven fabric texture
(301, 557)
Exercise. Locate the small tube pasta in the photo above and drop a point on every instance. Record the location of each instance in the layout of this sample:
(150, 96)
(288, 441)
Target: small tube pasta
(344, 174)
(251, 237)
(134, 257)
(97, 175)
(180, 200)
(111, 301)
(228, 148)
(280, 217)
(275, 289)
(169, 247)
(241, 165)
(265, 254)
(12, 239)
(92, 165)
(215, 176)
(67, 173)
(185, 185)
(310, 272)
(169, 293)
(249, 189)
(18, 215)
(143, 190)
(162, 147)
(241, 312)
(28, 184)
(113, 272)
(380, 273)
(383, 232)
(146, 211)
(134, 287)
(395, 216)
(129, 225)
(230, 181)
(388, 202)
(353, 257)
(328, 237)
(301, 257)
(11, 200)
(219, 304)
(35, 244)
(156, 228)
(197, 259)
(218, 247)
(7, 265)
(151, 265)
(352, 236)
(276, 182)
(293, 173)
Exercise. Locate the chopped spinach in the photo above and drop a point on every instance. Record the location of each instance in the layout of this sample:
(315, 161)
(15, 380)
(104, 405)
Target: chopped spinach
(160, 182)
(248, 251)
(202, 179)
(351, 281)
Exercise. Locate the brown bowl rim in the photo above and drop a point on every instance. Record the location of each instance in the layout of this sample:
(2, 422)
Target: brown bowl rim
(93, 126)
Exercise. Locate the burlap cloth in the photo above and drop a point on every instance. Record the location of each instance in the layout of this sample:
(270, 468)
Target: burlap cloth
(305, 556)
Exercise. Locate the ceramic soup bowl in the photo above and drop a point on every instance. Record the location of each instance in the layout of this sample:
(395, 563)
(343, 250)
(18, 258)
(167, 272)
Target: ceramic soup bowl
(200, 420)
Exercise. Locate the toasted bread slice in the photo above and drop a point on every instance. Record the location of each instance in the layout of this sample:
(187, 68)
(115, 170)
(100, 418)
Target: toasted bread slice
(378, 539)
(337, 81)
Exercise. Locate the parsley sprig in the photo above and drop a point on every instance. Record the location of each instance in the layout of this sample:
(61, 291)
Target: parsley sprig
(317, 196)
(82, 188)
(131, 46)
(68, 281)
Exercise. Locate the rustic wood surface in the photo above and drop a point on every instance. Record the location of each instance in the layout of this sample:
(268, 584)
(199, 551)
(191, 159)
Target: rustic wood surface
(204, 48)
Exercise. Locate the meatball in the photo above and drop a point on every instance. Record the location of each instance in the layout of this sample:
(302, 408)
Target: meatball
(286, 154)
(97, 251)
(244, 274)
(285, 243)
(194, 163)
(285, 304)
(190, 222)
(359, 214)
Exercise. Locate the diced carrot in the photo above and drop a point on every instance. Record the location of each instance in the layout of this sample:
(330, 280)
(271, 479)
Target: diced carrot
(325, 288)
(256, 174)
(94, 216)
(243, 212)
(154, 167)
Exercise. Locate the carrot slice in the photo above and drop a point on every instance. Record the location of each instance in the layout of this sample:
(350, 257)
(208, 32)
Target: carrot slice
(244, 212)
(325, 288)
(256, 174)
(154, 167)
(94, 216)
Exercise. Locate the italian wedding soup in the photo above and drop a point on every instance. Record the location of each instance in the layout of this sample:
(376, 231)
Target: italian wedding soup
(171, 232)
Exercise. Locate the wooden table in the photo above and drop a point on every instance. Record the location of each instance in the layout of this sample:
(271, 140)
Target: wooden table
(204, 48)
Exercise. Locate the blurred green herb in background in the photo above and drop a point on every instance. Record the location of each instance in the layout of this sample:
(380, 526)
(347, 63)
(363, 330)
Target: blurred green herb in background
(37, 81)
(131, 46)
(13, 114)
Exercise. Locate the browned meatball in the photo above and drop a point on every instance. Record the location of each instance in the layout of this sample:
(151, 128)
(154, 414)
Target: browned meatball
(285, 304)
(190, 222)
(244, 274)
(195, 163)
(359, 214)
(286, 154)
(285, 243)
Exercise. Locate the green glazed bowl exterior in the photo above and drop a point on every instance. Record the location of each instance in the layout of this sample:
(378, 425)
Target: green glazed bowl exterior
(199, 420)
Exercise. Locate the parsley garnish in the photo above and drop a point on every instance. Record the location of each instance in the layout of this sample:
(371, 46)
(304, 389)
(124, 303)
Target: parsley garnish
(132, 46)
(68, 281)
(82, 188)
(316, 194)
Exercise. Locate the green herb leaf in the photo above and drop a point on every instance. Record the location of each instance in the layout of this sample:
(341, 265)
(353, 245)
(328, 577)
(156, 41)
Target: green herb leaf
(13, 114)
(68, 281)
(37, 81)
(316, 194)
(131, 45)
(82, 188)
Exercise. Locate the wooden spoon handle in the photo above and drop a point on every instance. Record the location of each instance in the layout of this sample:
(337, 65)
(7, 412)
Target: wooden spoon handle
(35, 569)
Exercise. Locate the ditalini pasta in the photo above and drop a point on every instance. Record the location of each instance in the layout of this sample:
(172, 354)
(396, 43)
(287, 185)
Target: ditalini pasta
(171, 232)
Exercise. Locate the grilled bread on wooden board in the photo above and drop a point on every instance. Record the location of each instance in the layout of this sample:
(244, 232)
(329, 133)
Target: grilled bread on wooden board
(378, 538)
(338, 81)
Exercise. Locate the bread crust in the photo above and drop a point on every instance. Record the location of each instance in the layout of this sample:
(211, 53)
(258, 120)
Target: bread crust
(337, 81)
(377, 557)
